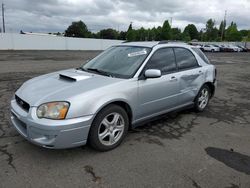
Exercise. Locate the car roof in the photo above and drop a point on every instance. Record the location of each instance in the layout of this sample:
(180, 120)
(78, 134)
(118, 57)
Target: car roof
(141, 44)
(154, 43)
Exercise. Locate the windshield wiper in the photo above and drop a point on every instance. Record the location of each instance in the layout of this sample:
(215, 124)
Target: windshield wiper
(80, 68)
(98, 71)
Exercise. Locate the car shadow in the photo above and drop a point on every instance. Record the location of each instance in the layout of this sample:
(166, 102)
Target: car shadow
(232, 159)
(168, 126)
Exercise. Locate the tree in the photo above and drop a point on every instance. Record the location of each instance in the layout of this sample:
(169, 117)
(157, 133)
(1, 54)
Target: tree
(221, 32)
(192, 31)
(142, 34)
(109, 34)
(149, 35)
(232, 33)
(131, 35)
(185, 37)
(95, 35)
(156, 33)
(176, 34)
(248, 36)
(166, 31)
(122, 35)
(77, 29)
(244, 32)
(211, 33)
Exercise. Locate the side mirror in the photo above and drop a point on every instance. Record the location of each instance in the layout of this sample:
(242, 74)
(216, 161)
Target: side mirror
(152, 73)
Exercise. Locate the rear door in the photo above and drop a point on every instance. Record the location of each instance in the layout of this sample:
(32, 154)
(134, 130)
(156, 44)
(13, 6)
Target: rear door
(207, 48)
(191, 74)
(159, 94)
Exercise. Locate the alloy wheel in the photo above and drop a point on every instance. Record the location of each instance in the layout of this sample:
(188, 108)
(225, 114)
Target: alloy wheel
(203, 98)
(111, 129)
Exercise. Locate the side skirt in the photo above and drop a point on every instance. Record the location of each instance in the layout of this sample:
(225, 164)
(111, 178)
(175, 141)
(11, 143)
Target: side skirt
(159, 115)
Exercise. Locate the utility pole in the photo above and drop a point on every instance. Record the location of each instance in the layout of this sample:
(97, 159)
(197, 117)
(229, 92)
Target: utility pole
(171, 20)
(224, 25)
(3, 18)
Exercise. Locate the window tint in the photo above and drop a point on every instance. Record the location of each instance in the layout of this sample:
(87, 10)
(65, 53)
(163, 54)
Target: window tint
(163, 59)
(185, 59)
(201, 54)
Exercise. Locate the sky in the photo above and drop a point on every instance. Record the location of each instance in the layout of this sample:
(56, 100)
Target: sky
(57, 15)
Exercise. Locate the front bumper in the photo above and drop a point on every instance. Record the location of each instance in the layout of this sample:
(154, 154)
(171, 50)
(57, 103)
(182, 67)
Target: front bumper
(56, 134)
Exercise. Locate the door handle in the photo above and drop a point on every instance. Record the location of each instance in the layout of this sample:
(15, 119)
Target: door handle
(173, 78)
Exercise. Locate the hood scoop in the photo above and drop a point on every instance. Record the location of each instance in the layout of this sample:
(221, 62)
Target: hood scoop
(68, 78)
(72, 76)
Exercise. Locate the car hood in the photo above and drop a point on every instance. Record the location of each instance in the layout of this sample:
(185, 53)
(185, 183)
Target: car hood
(60, 86)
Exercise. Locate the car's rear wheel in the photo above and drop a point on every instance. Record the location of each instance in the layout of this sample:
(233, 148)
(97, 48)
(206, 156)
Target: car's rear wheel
(109, 128)
(202, 98)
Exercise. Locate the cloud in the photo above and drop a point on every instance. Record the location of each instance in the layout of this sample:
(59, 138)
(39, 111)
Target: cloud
(56, 15)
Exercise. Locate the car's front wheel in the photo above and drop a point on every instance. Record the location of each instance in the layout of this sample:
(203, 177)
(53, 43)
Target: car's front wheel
(109, 128)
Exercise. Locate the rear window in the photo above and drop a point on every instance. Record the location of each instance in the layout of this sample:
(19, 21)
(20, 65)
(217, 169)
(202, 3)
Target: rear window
(185, 59)
(201, 54)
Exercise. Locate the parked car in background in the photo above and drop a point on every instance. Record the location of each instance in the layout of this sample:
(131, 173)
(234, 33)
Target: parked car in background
(210, 48)
(234, 48)
(244, 49)
(217, 46)
(120, 88)
(225, 48)
(221, 47)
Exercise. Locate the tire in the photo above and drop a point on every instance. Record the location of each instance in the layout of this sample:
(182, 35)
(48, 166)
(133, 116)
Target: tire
(202, 99)
(109, 128)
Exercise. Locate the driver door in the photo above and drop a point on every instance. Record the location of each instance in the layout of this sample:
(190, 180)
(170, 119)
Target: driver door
(159, 94)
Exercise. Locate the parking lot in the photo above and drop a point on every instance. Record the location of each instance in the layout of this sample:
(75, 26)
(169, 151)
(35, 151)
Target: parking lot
(185, 149)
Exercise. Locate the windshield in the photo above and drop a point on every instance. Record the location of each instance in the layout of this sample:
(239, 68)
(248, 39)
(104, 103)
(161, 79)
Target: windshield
(118, 61)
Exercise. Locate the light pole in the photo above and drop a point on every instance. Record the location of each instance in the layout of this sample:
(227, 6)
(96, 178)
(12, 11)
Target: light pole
(3, 18)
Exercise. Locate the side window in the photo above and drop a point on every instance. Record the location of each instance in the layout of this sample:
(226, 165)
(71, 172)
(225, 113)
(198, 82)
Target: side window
(185, 59)
(163, 59)
(201, 54)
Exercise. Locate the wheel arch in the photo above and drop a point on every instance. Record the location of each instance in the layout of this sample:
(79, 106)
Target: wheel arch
(123, 104)
(211, 87)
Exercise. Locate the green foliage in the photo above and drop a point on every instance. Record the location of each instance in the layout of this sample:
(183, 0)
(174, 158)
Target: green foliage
(222, 29)
(108, 34)
(185, 37)
(166, 33)
(191, 31)
(176, 34)
(244, 32)
(122, 35)
(210, 33)
(248, 36)
(156, 33)
(232, 33)
(131, 33)
(77, 29)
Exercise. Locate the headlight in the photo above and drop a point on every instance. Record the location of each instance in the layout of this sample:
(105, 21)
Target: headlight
(53, 110)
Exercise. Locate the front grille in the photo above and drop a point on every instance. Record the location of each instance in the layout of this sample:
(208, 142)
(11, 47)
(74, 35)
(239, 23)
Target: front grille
(24, 105)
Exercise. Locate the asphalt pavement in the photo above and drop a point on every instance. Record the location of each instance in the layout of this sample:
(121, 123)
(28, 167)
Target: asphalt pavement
(185, 149)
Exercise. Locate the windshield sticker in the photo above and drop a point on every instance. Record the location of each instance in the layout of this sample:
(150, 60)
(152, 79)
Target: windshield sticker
(142, 52)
